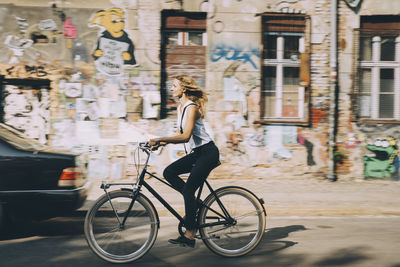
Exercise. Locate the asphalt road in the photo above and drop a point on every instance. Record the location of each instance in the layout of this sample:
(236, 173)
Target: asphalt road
(288, 241)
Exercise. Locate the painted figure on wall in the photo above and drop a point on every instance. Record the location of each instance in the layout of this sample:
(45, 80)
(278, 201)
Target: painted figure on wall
(385, 161)
(114, 47)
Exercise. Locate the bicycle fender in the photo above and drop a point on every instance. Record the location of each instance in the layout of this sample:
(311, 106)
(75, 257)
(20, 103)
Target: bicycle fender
(148, 200)
(247, 190)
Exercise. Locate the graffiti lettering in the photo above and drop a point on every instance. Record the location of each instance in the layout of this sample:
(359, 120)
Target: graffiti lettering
(26, 71)
(234, 53)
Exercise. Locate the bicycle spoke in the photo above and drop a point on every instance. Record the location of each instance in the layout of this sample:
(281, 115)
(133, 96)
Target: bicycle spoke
(118, 243)
(246, 214)
(237, 237)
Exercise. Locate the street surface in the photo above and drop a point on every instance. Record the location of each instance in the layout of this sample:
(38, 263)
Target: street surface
(288, 241)
(311, 222)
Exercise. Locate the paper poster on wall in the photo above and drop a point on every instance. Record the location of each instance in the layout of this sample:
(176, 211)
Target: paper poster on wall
(151, 103)
(118, 109)
(233, 90)
(87, 109)
(274, 142)
(90, 91)
(18, 46)
(27, 110)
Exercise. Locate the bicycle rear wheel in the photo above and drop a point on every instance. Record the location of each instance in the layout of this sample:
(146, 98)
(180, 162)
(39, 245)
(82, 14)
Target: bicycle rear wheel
(237, 238)
(116, 242)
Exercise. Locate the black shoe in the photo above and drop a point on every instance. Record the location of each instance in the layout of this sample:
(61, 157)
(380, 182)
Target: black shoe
(183, 241)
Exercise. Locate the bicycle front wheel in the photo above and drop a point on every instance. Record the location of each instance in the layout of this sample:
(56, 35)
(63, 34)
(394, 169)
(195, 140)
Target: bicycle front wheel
(237, 237)
(117, 241)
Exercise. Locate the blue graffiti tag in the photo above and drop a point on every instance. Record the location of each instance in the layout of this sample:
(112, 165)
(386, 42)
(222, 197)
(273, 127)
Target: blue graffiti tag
(234, 53)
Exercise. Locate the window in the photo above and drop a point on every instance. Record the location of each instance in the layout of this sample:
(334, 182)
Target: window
(378, 88)
(24, 106)
(285, 68)
(183, 51)
(192, 38)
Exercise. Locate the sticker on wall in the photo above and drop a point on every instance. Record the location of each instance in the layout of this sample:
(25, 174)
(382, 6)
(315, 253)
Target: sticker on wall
(18, 46)
(353, 3)
(47, 25)
(73, 89)
(114, 47)
(22, 25)
(70, 30)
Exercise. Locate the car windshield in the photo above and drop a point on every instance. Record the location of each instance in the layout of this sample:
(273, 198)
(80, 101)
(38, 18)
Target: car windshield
(19, 140)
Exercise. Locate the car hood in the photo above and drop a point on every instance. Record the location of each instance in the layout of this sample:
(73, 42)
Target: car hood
(22, 142)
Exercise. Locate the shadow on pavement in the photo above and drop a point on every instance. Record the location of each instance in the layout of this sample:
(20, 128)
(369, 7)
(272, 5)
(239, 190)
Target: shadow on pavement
(346, 256)
(271, 243)
(59, 226)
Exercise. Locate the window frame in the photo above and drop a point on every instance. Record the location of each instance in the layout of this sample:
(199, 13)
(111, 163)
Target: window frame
(282, 24)
(183, 23)
(371, 28)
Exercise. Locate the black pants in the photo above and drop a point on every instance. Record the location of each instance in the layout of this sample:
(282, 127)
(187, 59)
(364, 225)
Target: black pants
(199, 163)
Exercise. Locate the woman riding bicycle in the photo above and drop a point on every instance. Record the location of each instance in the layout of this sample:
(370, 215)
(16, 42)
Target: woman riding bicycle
(204, 154)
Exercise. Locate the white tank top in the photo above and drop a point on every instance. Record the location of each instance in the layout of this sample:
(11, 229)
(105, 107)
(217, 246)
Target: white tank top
(200, 136)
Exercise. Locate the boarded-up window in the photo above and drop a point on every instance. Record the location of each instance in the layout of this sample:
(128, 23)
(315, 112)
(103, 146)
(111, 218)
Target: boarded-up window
(184, 41)
(286, 68)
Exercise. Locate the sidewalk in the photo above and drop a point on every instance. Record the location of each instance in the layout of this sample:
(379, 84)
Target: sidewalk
(295, 196)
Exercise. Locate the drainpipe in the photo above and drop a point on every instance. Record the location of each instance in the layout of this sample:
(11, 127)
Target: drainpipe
(333, 112)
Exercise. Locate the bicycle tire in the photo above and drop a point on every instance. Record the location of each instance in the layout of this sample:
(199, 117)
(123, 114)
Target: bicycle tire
(233, 240)
(118, 244)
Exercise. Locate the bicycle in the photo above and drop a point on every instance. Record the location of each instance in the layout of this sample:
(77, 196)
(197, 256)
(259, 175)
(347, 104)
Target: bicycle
(122, 225)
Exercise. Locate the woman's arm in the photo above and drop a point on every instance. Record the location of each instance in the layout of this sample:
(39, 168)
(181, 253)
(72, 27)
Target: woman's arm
(192, 114)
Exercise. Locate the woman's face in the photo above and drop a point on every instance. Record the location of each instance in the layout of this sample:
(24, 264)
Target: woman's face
(177, 90)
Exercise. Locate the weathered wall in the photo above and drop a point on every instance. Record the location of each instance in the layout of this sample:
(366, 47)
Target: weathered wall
(101, 105)
(359, 142)
(101, 108)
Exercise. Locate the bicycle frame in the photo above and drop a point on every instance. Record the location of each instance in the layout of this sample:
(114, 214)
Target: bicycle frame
(227, 219)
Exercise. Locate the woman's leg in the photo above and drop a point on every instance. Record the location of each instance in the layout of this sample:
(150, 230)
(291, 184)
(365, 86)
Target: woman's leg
(182, 165)
(199, 173)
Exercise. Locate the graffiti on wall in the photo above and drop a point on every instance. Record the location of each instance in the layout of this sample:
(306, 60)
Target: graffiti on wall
(114, 47)
(383, 162)
(309, 148)
(230, 52)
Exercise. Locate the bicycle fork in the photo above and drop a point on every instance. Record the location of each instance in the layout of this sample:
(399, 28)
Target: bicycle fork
(135, 193)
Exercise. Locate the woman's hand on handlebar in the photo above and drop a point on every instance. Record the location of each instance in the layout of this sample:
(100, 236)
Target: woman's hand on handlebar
(155, 144)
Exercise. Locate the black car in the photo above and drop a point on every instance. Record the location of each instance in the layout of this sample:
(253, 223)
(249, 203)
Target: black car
(35, 182)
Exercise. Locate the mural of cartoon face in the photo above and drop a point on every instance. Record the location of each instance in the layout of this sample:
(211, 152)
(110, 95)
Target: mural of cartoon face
(384, 162)
(114, 47)
(113, 20)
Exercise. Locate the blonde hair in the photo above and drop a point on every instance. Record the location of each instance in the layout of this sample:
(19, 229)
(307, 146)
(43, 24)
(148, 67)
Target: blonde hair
(193, 92)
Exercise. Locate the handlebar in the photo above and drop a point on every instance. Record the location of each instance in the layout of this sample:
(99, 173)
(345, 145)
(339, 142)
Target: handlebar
(144, 146)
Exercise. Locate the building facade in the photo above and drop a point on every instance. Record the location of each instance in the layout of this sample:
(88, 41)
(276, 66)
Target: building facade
(93, 77)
